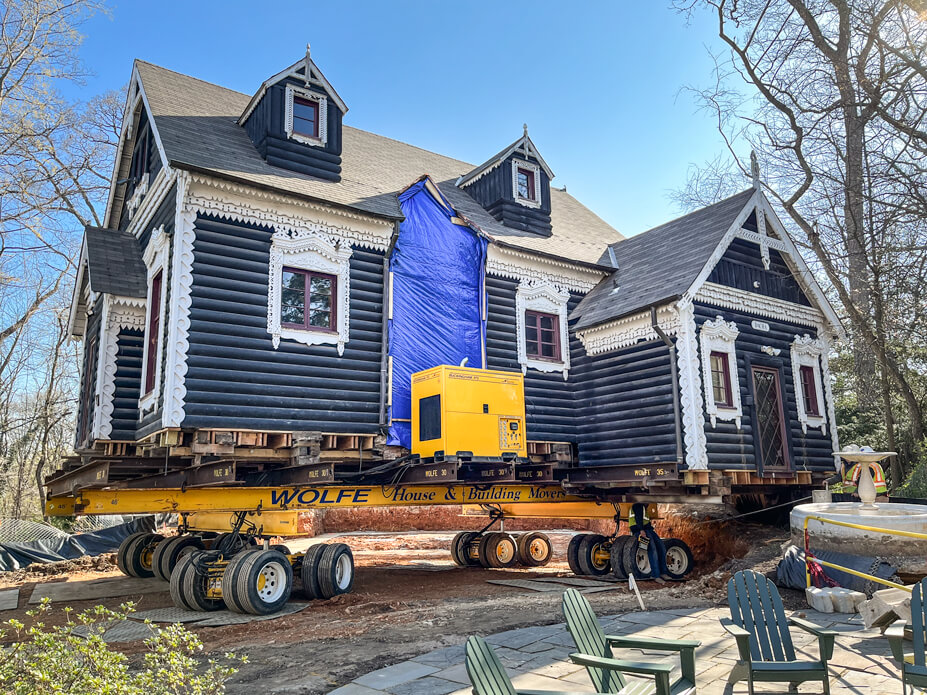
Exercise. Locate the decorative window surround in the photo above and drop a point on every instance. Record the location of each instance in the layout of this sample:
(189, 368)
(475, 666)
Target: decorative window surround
(690, 389)
(719, 336)
(156, 259)
(543, 297)
(137, 195)
(525, 266)
(628, 331)
(829, 396)
(118, 313)
(535, 200)
(309, 250)
(806, 352)
(761, 305)
(322, 102)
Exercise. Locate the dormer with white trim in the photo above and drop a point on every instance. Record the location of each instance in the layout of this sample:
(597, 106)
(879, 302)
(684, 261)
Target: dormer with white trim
(514, 187)
(294, 120)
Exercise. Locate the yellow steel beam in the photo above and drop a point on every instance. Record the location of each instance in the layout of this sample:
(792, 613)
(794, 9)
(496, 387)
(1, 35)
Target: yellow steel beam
(586, 509)
(216, 499)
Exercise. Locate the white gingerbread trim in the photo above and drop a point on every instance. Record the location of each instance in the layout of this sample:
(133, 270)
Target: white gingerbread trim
(806, 352)
(544, 297)
(137, 195)
(760, 305)
(828, 380)
(524, 266)
(175, 389)
(156, 259)
(118, 313)
(322, 102)
(285, 214)
(690, 389)
(628, 330)
(535, 170)
(719, 335)
(309, 250)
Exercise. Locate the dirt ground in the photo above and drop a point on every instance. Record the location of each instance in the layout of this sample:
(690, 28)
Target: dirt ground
(400, 609)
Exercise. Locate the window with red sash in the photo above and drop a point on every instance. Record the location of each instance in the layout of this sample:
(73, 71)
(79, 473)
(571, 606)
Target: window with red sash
(308, 300)
(306, 117)
(721, 380)
(809, 391)
(154, 328)
(542, 336)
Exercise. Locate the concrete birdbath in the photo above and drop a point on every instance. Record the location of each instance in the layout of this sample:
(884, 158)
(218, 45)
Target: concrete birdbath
(905, 553)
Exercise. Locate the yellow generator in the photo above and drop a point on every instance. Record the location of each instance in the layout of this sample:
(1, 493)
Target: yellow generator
(460, 409)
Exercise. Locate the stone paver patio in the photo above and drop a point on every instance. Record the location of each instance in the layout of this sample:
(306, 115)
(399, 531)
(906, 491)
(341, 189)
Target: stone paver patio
(538, 658)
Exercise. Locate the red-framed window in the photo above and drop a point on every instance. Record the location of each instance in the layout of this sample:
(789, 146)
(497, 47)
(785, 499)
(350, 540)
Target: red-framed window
(809, 390)
(306, 117)
(542, 336)
(525, 184)
(154, 327)
(721, 380)
(308, 300)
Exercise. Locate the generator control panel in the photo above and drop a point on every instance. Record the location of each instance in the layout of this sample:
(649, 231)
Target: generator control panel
(462, 409)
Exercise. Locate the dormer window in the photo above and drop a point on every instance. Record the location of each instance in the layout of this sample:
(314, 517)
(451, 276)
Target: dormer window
(526, 183)
(306, 116)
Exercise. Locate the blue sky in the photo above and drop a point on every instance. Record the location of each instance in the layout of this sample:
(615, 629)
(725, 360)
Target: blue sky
(598, 83)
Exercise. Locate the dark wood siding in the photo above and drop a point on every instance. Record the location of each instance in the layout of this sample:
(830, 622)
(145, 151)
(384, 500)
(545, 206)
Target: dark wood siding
(624, 408)
(731, 448)
(266, 126)
(88, 379)
(493, 190)
(742, 267)
(128, 381)
(548, 397)
(235, 377)
(154, 166)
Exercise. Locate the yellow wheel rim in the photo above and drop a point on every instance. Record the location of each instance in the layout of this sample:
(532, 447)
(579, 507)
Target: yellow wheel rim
(505, 551)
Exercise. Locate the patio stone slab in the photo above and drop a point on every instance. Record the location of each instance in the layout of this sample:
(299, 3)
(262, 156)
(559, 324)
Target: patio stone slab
(9, 599)
(394, 675)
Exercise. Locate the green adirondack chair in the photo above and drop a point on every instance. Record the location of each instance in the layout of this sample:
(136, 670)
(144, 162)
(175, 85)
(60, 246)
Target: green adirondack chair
(607, 673)
(488, 676)
(913, 665)
(759, 625)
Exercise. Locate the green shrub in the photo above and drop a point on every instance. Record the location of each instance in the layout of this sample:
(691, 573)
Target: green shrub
(73, 658)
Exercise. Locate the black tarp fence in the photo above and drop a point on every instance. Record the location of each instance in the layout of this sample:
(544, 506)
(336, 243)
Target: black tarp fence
(15, 556)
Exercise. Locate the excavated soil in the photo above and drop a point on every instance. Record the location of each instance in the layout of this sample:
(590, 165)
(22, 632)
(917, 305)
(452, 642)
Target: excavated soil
(400, 607)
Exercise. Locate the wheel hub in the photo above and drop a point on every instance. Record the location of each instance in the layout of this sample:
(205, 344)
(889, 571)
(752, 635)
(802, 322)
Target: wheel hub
(505, 551)
(270, 582)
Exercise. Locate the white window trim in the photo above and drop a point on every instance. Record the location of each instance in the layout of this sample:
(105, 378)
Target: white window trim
(536, 170)
(806, 352)
(308, 250)
(118, 313)
(544, 297)
(719, 335)
(156, 256)
(322, 101)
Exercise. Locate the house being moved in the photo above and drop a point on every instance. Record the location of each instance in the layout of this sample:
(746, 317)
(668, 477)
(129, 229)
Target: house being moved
(269, 278)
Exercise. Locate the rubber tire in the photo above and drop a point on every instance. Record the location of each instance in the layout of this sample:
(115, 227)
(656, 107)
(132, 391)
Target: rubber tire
(134, 552)
(491, 549)
(280, 548)
(630, 560)
(121, 553)
(328, 570)
(455, 556)
(309, 571)
(463, 549)
(617, 557)
(229, 579)
(241, 545)
(573, 553)
(188, 590)
(169, 552)
(682, 547)
(584, 556)
(245, 592)
(524, 542)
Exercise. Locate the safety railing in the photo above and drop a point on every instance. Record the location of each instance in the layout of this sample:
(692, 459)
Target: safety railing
(809, 558)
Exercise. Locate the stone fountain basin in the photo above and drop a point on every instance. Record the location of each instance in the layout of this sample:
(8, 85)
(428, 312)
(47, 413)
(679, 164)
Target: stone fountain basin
(907, 554)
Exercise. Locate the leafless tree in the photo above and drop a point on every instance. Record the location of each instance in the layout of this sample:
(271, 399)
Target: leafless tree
(832, 94)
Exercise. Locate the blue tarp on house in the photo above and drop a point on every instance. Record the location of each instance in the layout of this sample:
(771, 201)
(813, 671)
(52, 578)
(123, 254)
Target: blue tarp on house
(438, 316)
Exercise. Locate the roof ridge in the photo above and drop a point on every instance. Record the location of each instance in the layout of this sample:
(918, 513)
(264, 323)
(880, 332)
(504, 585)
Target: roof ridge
(682, 217)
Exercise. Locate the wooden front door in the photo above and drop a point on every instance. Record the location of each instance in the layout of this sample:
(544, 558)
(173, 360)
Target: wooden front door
(769, 420)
